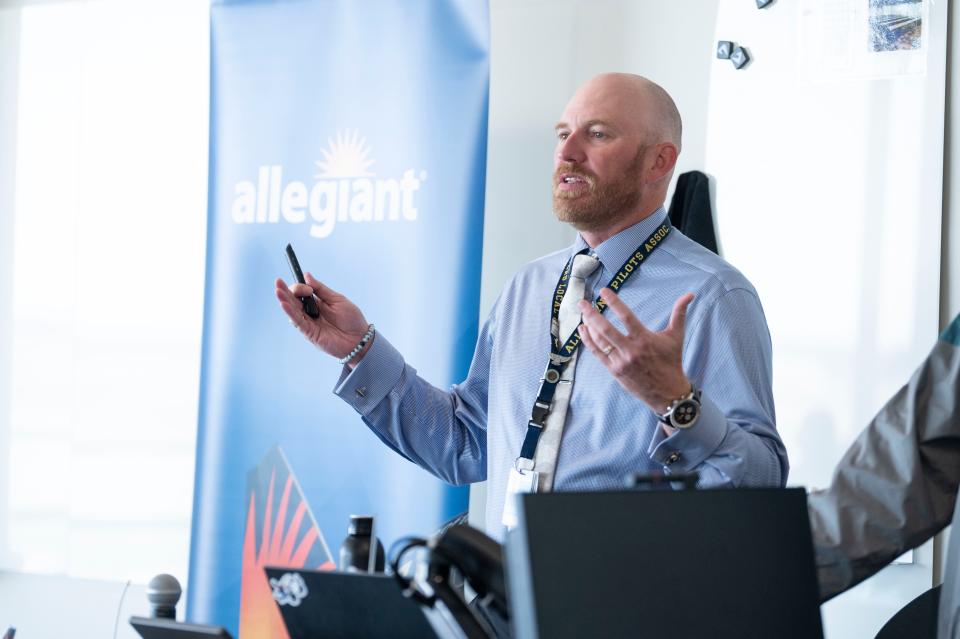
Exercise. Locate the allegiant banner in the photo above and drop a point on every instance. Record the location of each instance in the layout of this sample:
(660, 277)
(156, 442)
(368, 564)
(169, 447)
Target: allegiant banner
(355, 131)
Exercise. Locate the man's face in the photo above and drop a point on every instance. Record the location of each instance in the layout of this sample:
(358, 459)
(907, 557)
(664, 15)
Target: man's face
(598, 166)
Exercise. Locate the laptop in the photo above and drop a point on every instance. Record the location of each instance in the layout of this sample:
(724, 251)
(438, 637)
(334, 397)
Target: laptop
(159, 628)
(690, 563)
(318, 604)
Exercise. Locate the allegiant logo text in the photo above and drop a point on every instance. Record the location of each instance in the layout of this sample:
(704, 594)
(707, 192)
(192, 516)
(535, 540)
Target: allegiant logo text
(344, 191)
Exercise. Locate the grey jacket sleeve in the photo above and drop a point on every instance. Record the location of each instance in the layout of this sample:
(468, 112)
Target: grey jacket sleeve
(896, 485)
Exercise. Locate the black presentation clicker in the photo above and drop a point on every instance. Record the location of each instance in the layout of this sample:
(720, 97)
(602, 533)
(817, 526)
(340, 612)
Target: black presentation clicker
(309, 304)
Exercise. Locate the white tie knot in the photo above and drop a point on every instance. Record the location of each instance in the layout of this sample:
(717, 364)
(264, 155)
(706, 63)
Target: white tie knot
(569, 315)
(583, 265)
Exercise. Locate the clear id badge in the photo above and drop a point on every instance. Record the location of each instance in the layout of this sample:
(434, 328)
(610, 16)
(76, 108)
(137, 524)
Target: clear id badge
(519, 482)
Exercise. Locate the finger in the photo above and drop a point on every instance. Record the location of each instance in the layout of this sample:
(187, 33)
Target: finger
(600, 329)
(587, 338)
(301, 290)
(599, 350)
(294, 311)
(320, 289)
(630, 321)
(283, 291)
(678, 318)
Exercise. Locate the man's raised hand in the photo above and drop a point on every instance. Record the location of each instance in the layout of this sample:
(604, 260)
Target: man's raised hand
(647, 364)
(340, 326)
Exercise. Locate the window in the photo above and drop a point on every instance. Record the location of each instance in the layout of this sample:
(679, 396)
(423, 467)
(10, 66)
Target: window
(104, 285)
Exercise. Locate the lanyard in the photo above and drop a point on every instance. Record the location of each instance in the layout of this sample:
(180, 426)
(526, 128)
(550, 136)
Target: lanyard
(561, 354)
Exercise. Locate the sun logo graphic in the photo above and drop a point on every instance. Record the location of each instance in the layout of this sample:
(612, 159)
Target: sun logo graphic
(344, 190)
(281, 531)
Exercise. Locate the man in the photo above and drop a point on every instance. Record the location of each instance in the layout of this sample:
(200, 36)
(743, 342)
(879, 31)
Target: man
(897, 485)
(705, 365)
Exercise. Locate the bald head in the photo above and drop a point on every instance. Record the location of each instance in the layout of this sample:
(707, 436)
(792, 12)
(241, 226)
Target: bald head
(643, 101)
(617, 145)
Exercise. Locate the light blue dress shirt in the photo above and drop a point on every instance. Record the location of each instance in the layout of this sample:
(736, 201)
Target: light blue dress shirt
(474, 431)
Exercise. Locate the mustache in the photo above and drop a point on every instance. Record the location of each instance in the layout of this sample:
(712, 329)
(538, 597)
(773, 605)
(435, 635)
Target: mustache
(570, 169)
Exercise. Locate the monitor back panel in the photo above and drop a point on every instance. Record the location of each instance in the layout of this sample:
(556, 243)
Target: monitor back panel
(712, 563)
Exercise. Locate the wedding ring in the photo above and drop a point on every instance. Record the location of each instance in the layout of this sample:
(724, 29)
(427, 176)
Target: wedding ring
(607, 350)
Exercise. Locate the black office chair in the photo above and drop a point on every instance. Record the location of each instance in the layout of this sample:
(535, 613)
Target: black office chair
(916, 620)
(691, 210)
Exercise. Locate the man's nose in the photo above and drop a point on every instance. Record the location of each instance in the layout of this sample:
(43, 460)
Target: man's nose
(570, 150)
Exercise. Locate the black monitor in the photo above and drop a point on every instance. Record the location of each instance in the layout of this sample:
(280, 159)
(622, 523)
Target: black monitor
(694, 563)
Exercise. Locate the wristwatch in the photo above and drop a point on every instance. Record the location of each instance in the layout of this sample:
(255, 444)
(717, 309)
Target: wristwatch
(684, 412)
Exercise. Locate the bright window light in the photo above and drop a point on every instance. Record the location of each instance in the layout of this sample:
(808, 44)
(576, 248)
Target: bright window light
(109, 231)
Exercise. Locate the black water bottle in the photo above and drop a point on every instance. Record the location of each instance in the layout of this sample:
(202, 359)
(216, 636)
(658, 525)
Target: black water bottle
(355, 551)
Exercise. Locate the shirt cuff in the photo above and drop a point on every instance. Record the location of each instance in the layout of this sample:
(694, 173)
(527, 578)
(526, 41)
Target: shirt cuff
(373, 378)
(686, 449)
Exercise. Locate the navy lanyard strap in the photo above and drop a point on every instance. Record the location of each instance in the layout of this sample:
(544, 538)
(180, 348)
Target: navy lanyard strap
(561, 354)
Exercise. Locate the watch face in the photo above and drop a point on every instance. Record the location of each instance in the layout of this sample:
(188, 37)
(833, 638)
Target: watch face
(685, 413)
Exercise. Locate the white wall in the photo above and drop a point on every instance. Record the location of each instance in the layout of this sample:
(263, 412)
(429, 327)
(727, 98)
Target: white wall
(9, 62)
(829, 180)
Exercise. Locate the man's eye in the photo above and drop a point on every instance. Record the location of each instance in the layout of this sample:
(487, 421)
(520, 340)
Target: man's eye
(598, 135)
(562, 135)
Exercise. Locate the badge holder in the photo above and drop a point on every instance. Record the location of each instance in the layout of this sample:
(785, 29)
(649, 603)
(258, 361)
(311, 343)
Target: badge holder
(522, 479)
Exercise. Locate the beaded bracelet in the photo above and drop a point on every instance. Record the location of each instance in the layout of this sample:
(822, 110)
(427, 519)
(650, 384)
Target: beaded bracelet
(359, 347)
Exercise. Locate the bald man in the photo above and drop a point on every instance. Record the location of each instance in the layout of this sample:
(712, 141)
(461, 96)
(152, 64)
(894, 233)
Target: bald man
(670, 371)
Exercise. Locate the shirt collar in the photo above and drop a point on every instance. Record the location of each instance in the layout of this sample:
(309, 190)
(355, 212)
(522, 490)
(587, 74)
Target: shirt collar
(616, 250)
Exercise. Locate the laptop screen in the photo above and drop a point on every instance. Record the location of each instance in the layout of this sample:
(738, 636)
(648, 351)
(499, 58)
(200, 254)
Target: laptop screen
(340, 605)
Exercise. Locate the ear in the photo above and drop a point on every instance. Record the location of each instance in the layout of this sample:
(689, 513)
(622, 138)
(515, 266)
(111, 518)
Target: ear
(663, 161)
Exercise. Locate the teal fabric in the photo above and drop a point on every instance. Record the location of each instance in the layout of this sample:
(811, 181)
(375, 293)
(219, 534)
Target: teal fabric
(952, 334)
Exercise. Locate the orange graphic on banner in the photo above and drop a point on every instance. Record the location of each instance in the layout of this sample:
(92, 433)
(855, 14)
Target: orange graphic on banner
(280, 544)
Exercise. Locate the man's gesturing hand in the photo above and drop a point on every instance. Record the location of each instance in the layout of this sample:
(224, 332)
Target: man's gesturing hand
(647, 364)
(340, 326)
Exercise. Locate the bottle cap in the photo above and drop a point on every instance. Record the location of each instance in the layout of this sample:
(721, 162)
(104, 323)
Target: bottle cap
(360, 525)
